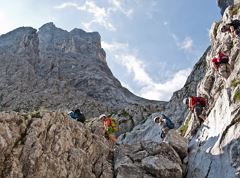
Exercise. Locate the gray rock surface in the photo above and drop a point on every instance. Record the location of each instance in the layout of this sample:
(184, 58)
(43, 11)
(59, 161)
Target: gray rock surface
(147, 159)
(55, 69)
(51, 145)
(175, 109)
(178, 142)
(214, 150)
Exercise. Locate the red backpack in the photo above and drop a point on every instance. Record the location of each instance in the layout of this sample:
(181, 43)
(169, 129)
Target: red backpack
(202, 101)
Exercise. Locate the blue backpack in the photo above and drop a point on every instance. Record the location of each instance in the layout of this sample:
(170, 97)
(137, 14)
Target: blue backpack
(169, 123)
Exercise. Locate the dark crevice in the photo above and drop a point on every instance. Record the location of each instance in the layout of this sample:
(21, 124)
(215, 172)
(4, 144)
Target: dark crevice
(209, 168)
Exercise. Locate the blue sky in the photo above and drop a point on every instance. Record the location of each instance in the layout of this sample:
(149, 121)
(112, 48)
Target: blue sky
(151, 45)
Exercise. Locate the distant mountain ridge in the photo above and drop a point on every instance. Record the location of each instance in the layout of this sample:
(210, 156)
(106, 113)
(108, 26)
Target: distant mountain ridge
(56, 69)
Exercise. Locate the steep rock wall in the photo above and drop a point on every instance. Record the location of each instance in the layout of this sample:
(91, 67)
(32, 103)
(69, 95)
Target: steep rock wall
(215, 149)
(51, 145)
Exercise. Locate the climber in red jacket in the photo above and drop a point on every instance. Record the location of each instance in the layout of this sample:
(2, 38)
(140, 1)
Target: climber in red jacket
(220, 64)
(197, 106)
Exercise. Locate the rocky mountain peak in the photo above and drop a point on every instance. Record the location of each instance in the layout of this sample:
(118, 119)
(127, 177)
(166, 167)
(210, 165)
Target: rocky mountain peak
(61, 70)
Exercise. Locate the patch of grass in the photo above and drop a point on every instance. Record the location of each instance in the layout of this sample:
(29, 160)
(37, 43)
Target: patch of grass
(34, 114)
(124, 114)
(236, 96)
(235, 83)
(184, 128)
(234, 10)
(215, 29)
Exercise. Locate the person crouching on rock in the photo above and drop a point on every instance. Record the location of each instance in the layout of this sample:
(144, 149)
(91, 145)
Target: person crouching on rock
(221, 65)
(109, 127)
(77, 115)
(165, 122)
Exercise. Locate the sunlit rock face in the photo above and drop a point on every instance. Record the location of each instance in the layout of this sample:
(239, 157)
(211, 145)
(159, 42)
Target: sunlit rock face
(56, 69)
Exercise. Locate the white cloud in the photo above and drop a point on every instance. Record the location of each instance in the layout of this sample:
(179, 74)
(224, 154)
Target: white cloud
(66, 4)
(114, 46)
(6, 21)
(136, 68)
(118, 5)
(165, 23)
(164, 91)
(100, 15)
(186, 44)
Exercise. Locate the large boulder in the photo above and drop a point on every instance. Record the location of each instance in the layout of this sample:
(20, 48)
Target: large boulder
(178, 142)
(147, 159)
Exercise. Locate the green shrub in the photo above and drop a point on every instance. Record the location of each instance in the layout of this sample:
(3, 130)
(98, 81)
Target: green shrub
(234, 10)
(124, 114)
(235, 83)
(184, 128)
(215, 30)
(34, 114)
(236, 96)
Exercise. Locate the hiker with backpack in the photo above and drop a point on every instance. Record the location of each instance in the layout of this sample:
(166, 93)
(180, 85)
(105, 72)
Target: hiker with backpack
(221, 65)
(233, 28)
(197, 105)
(110, 127)
(77, 115)
(165, 122)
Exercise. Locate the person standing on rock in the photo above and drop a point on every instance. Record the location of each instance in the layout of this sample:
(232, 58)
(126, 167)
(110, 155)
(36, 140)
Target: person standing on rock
(165, 122)
(197, 105)
(109, 127)
(233, 28)
(221, 65)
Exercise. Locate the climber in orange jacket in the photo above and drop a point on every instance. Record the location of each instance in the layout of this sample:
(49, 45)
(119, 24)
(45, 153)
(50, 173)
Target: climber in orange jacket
(220, 64)
(197, 106)
(109, 127)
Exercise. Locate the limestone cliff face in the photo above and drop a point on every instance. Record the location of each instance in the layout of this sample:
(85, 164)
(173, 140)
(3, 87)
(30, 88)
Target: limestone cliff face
(51, 145)
(55, 69)
(215, 149)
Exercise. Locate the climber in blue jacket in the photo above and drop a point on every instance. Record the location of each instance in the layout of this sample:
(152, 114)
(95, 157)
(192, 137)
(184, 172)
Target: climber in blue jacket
(165, 122)
(77, 115)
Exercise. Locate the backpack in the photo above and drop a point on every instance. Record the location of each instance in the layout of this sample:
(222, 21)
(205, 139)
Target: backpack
(169, 123)
(114, 124)
(235, 24)
(202, 101)
(81, 118)
(78, 116)
(224, 60)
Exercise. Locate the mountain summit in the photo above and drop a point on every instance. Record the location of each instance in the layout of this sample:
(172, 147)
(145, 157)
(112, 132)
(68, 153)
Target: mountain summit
(56, 69)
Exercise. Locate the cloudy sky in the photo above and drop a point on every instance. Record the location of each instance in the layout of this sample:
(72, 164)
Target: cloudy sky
(151, 45)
